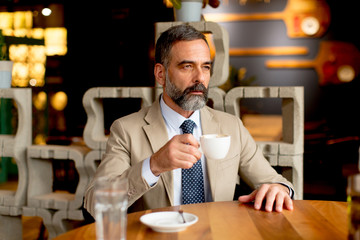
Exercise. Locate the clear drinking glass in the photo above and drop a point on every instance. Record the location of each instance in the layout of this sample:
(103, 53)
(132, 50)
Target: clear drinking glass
(111, 202)
(353, 198)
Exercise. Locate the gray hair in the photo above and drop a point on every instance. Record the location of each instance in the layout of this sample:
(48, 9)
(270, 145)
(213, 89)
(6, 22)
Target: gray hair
(171, 36)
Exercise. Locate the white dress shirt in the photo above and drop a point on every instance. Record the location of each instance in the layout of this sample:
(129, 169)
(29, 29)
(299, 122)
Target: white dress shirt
(173, 121)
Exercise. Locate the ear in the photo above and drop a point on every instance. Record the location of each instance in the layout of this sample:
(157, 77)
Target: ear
(160, 74)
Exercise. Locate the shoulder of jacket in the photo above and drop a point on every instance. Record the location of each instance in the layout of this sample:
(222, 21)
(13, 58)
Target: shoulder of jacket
(220, 114)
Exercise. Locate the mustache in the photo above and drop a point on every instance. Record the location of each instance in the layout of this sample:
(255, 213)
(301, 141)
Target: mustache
(198, 87)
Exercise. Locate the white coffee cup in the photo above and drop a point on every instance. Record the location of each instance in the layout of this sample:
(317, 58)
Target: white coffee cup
(215, 146)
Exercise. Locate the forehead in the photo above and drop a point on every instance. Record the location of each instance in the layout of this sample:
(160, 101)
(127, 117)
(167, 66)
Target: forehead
(190, 50)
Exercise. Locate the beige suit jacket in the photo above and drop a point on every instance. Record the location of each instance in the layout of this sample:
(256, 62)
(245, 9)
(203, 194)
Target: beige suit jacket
(136, 137)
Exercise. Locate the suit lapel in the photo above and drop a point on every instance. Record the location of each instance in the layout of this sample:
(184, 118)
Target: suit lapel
(157, 134)
(210, 126)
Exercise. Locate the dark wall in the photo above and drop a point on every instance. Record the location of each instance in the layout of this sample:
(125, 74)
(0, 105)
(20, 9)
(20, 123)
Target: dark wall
(109, 44)
(272, 33)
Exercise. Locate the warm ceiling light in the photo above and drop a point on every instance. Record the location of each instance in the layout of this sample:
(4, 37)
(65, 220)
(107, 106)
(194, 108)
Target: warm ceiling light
(55, 41)
(59, 101)
(346, 73)
(32, 82)
(46, 11)
(40, 100)
(23, 19)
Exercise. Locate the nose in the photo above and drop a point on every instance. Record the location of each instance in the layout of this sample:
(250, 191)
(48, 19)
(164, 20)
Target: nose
(199, 75)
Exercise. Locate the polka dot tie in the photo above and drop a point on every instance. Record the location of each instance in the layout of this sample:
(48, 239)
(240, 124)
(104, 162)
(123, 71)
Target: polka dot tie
(192, 180)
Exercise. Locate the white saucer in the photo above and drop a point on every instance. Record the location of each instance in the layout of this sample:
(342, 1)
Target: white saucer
(168, 221)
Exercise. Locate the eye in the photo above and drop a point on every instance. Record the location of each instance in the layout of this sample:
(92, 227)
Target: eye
(207, 67)
(187, 66)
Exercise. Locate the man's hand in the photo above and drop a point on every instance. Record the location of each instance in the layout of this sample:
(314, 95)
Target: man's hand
(180, 152)
(274, 193)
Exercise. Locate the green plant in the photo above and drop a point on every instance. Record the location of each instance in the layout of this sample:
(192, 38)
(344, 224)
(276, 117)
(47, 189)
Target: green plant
(3, 55)
(237, 78)
(212, 3)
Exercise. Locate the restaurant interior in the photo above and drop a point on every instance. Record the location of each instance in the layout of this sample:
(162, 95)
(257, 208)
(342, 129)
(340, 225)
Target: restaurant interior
(80, 46)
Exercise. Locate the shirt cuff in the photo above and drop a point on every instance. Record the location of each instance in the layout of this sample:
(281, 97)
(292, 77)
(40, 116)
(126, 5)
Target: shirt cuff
(147, 174)
(291, 191)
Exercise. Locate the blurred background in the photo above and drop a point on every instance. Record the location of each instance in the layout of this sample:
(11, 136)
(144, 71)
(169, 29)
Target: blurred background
(61, 48)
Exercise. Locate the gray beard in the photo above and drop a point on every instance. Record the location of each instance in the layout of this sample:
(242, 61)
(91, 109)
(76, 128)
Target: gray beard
(184, 99)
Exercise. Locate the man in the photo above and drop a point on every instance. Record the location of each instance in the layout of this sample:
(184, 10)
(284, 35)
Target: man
(151, 150)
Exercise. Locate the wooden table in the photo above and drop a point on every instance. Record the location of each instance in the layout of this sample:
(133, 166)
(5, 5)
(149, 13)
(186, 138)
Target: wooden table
(232, 220)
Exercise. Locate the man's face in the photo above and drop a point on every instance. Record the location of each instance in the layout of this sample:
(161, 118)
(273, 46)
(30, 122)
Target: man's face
(188, 74)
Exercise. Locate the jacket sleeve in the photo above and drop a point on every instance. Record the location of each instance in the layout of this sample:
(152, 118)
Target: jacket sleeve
(254, 169)
(116, 162)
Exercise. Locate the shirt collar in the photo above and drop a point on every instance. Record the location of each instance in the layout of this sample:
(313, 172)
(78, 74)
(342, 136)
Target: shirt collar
(174, 119)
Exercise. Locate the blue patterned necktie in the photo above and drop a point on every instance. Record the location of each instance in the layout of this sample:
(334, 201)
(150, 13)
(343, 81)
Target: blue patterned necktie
(192, 180)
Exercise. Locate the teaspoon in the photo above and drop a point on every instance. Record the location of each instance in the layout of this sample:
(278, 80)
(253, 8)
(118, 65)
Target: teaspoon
(182, 215)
